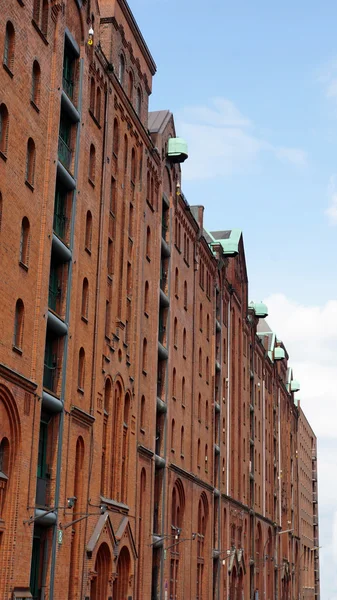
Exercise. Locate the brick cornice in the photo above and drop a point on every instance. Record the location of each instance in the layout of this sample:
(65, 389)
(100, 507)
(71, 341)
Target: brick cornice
(82, 416)
(17, 378)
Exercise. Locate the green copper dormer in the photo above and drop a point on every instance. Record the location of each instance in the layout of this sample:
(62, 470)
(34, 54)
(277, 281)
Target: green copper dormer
(279, 353)
(294, 386)
(177, 150)
(260, 309)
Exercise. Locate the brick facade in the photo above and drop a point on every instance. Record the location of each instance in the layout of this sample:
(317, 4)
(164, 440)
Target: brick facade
(150, 442)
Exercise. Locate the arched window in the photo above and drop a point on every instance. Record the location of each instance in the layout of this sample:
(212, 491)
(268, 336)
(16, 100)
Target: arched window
(145, 355)
(142, 413)
(200, 317)
(9, 46)
(207, 327)
(183, 394)
(18, 324)
(223, 471)
(4, 125)
(206, 414)
(182, 441)
(24, 242)
(100, 584)
(125, 153)
(200, 362)
(92, 163)
(92, 95)
(138, 101)
(199, 407)
(88, 231)
(104, 457)
(85, 298)
(30, 162)
(133, 165)
(198, 454)
(98, 104)
(206, 458)
(172, 435)
(44, 18)
(148, 243)
(36, 83)
(130, 86)
(185, 295)
(81, 369)
(4, 458)
(174, 383)
(184, 343)
(121, 70)
(146, 297)
(115, 138)
(148, 186)
(175, 332)
(176, 283)
(207, 370)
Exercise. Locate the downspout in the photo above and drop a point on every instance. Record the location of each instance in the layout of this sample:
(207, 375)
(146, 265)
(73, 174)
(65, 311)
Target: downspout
(263, 448)
(97, 298)
(228, 415)
(279, 492)
(65, 353)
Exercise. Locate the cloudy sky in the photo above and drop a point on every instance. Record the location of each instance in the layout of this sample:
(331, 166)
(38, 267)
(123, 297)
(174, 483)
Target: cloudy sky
(253, 87)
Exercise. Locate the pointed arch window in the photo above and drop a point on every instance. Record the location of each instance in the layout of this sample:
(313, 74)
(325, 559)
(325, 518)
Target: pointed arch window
(18, 324)
(115, 138)
(207, 370)
(85, 299)
(98, 104)
(175, 332)
(200, 362)
(81, 369)
(148, 243)
(142, 414)
(200, 317)
(92, 95)
(184, 343)
(206, 414)
(182, 442)
(88, 232)
(176, 283)
(185, 295)
(138, 101)
(133, 166)
(92, 164)
(199, 407)
(30, 162)
(121, 70)
(174, 383)
(24, 242)
(173, 424)
(198, 454)
(4, 126)
(146, 298)
(130, 86)
(9, 48)
(183, 392)
(36, 83)
(207, 327)
(144, 358)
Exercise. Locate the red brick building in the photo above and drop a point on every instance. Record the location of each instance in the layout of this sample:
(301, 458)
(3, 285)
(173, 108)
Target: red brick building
(150, 444)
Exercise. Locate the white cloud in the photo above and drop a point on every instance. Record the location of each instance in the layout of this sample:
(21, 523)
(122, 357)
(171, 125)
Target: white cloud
(310, 336)
(331, 211)
(222, 141)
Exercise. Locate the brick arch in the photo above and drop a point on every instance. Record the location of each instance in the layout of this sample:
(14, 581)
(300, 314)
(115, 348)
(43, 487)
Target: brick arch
(103, 567)
(123, 582)
(75, 8)
(9, 403)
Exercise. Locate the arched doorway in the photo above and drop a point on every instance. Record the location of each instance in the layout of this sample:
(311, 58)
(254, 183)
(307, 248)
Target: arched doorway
(232, 591)
(121, 587)
(100, 585)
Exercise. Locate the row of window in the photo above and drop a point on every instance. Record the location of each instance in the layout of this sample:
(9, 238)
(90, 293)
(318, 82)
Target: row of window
(135, 96)
(8, 62)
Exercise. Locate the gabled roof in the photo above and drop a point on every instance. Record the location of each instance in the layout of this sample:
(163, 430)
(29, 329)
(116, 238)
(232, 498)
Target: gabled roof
(158, 120)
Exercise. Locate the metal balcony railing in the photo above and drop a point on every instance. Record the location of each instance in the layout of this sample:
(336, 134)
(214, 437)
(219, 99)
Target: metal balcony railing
(50, 377)
(60, 224)
(68, 86)
(64, 153)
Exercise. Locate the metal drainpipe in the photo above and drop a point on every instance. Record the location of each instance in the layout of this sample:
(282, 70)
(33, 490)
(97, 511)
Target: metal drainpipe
(162, 565)
(219, 442)
(65, 352)
(228, 414)
(253, 467)
(279, 491)
(98, 273)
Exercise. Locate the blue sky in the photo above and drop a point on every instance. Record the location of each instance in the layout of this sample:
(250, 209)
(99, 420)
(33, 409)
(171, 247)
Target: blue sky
(253, 87)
